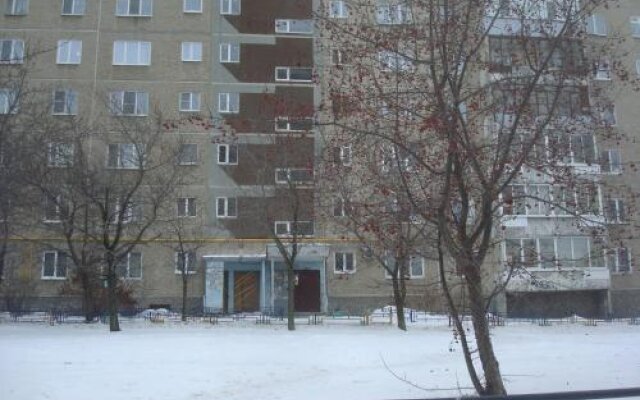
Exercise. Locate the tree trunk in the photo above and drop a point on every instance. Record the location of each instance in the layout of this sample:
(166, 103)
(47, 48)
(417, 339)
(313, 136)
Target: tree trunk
(291, 290)
(87, 296)
(184, 296)
(112, 294)
(399, 298)
(493, 379)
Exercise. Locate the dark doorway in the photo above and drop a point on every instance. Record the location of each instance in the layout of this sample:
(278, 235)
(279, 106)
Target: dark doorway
(307, 291)
(246, 292)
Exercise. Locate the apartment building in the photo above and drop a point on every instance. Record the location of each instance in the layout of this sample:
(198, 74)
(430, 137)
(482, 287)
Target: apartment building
(255, 71)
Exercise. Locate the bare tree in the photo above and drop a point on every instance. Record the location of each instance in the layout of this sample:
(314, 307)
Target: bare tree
(479, 96)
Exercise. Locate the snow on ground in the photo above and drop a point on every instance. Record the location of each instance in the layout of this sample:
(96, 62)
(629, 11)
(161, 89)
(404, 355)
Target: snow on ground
(197, 361)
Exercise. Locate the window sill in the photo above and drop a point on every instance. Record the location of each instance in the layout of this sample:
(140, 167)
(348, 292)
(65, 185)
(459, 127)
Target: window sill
(53, 278)
(344, 272)
(134, 15)
(188, 272)
(52, 221)
(67, 63)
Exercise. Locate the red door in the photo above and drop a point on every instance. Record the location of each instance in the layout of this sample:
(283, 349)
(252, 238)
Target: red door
(307, 291)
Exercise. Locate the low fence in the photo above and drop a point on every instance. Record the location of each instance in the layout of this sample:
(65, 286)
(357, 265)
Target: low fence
(623, 393)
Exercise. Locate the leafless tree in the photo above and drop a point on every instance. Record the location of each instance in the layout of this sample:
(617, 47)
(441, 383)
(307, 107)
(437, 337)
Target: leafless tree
(477, 96)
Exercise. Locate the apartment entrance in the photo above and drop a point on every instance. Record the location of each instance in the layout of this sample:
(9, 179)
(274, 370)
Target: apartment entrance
(246, 291)
(307, 291)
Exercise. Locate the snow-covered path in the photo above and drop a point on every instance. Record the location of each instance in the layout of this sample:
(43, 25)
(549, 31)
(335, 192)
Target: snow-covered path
(175, 362)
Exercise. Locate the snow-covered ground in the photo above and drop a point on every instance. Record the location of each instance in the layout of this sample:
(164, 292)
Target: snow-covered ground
(198, 361)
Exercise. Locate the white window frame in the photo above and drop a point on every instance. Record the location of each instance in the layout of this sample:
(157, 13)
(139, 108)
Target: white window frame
(615, 252)
(145, 8)
(78, 7)
(225, 201)
(611, 110)
(57, 276)
(230, 7)
(338, 57)
(597, 25)
(288, 70)
(289, 26)
(184, 206)
(191, 264)
(343, 257)
(613, 169)
(635, 26)
(189, 10)
(638, 65)
(193, 103)
(140, 106)
(69, 52)
(557, 261)
(393, 14)
(391, 61)
(346, 155)
(602, 69)
(139, 48)
(193, 161)
(132, 211)
(413, 259)
(127, 259)
(618, 213)
(17, 7)
(339, 207)
(290, 178)
(288, 225)
(60, 155)
(191, 51)
(70, 104)
(338, 9)
(228, 103)
(229, 149)
(229, 53)
(283, 124)
(122, 162)
(8, 101)
(52, 219)
(16, 51)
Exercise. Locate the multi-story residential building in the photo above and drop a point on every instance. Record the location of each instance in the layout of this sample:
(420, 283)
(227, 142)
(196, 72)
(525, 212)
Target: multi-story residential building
(254, 70)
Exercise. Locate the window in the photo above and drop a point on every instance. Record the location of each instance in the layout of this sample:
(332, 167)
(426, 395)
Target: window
(190, 101)
(619, 260)
(340, 206)
(345, 263)
(346, 155)
(69, 52)
(226, 207)
(129, 103)
(294, 74)
(638, 66)
(615, 211)
(635, 27)
(303, 26)
(121, 213)
(130, 266)
(228, 103)
(393, 14)
(551, 252)
(65, 102)
(186, 207)
(285, 124)
(230, 7)
(125, 156)
(192, 6)
(192, 51)
(338, 9)
(186, 262)
(392, 61)
(17, 7)
(53, 208)
(229, 53)
(131, 52)
(8, 101)
(227, 154)
(294, 175)
(11, 51)
(60, 155)
(610, 161)
(608, 115)
(188, 154)
(338, 57)
(55, 265)
(602, 69)
(416, 267)
(134, 8)
(74, 7)
(597, 25)
(290, 228)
